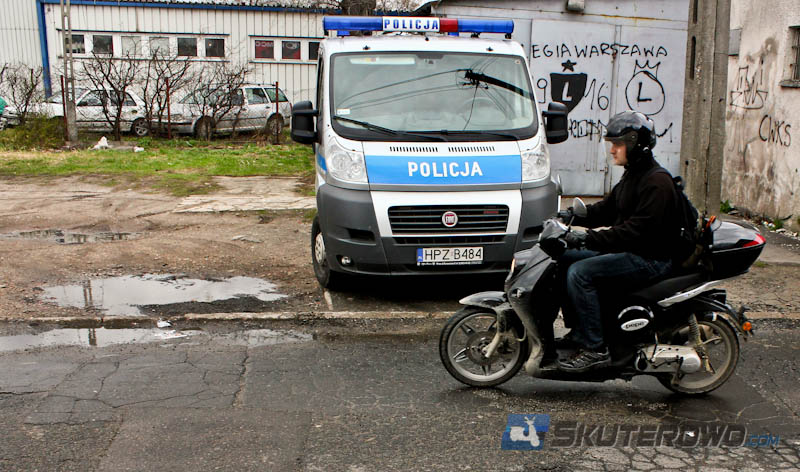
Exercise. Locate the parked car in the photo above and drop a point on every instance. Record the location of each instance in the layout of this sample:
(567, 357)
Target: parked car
(89, 111)
(9, 117)
(205, 111)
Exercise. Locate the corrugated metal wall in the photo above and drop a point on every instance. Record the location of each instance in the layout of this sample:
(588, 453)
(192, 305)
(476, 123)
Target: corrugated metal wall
(237, 27)
(19, 33)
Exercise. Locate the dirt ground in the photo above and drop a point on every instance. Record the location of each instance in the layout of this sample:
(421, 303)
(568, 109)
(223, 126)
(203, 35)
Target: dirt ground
(267, 245)
(270, 245)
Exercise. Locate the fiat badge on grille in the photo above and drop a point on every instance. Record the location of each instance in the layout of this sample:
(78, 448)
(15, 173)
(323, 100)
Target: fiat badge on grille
(449, 219)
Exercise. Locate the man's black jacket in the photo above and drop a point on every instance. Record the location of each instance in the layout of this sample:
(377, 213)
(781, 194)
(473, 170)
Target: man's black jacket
(641, 212)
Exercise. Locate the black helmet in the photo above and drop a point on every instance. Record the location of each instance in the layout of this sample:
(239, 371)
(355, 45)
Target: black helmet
(634, 128)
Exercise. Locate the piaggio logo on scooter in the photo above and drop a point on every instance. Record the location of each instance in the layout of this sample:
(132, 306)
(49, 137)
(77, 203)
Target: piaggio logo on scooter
(633, 325)
(449, 219)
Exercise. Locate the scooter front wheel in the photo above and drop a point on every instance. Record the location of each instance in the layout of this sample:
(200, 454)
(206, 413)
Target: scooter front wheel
(461, 346)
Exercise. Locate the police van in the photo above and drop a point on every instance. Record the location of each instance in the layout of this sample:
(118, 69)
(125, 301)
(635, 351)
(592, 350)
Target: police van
(431, 151)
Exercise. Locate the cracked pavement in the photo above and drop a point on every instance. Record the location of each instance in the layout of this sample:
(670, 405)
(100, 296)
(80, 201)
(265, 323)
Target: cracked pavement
(237, 398)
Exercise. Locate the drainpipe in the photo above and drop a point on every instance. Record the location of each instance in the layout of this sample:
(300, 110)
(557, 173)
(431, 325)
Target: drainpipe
(48, 89)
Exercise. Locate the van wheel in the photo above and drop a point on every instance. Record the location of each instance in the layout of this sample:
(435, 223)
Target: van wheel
(204, 128)
(139, 128)
(326, 277)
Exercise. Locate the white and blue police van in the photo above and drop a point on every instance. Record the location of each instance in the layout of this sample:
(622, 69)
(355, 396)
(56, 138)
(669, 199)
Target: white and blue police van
(431, 151)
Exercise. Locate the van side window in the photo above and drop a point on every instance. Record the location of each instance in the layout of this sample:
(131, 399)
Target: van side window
(320, 86)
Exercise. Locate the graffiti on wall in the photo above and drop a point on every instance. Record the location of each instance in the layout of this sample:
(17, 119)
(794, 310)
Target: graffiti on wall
(749, 90)
(644, 92)
(772, 130)
(597, 70)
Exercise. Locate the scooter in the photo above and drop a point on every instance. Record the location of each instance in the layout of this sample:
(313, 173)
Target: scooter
(680, 330)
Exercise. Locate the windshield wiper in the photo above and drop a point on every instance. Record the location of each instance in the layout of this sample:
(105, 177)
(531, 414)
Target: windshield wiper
(447, 132)
(394, 132)
(476, 77)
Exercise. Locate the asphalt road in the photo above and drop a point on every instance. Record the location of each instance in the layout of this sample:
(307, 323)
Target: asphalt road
(302, 397)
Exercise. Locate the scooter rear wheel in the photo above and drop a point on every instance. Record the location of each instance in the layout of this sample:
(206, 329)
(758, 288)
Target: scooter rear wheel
(461, 342)
(722, 347)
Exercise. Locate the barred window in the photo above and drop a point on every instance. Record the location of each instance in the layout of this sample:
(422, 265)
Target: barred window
(795, 65)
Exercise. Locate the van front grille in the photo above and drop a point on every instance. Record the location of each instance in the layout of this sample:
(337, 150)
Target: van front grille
(427, 219)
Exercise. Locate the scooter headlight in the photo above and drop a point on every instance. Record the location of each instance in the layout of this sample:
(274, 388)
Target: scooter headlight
(344, 164)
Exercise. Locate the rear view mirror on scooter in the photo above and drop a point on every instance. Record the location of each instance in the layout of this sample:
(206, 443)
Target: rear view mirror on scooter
(579, 208)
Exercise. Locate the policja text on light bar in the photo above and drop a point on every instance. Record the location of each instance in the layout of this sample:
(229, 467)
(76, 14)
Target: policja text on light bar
(415, 24)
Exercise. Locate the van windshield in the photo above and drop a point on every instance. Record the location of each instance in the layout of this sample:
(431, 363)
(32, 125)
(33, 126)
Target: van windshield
(459, 96)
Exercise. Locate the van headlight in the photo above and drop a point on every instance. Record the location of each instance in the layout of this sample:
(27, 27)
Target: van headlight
(345, 165)
(535, 164)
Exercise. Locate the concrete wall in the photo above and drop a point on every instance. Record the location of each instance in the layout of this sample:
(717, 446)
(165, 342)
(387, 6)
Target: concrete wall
(611, 57)
(762, 151)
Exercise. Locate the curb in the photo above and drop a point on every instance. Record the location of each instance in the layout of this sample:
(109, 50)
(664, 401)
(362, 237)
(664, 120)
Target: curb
(78, 321)
(301, 316)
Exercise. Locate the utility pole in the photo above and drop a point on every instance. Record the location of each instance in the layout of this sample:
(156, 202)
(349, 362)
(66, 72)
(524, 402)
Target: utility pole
(705, 93)
(69, 72)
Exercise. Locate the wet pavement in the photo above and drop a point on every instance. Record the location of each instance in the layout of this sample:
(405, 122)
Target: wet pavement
(308, 396)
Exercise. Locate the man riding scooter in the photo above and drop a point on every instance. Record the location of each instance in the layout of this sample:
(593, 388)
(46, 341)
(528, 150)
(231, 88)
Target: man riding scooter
(638, 246)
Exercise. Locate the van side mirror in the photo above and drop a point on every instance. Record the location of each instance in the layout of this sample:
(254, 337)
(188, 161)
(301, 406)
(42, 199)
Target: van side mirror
(555, 123)
(303, 127)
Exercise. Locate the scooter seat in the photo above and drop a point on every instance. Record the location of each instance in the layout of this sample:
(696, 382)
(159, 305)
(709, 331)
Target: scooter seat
(670, 286)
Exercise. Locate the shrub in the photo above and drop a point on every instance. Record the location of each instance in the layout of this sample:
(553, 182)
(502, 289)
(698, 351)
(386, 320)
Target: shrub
(38, 132)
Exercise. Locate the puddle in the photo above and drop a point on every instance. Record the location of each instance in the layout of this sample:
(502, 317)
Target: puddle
(94, 337)
(124, 295)
(103, 337)
(69, 237)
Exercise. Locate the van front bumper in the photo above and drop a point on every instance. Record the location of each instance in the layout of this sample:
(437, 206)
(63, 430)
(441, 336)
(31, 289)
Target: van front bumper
(350, 229)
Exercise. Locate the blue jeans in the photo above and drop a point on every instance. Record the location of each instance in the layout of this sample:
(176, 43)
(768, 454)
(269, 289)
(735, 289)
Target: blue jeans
(586, 271)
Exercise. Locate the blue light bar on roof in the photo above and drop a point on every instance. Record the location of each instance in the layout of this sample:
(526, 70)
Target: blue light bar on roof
(416, 24)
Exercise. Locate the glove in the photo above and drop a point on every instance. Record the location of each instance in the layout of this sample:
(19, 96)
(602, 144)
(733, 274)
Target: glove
(575, 239)
(565, 215)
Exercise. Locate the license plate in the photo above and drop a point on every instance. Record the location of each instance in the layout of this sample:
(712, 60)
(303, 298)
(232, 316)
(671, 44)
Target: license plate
(449, 255)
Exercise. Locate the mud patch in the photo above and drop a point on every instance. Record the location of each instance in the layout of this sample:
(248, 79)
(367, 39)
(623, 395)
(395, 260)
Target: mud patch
(140, 295)
(68, 237)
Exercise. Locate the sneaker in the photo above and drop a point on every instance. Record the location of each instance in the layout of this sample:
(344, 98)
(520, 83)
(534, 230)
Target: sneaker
(585, 359)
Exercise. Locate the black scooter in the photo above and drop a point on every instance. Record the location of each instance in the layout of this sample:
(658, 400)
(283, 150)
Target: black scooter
(680, 330)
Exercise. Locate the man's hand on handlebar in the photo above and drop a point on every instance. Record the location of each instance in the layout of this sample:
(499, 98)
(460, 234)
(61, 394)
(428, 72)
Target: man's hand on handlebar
(575, 239)
(565, 215)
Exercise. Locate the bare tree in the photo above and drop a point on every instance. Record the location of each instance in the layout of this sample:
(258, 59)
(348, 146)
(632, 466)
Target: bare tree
(164, 75)
(219, 96)
(350, 7)
(114, 78)
(24, 87)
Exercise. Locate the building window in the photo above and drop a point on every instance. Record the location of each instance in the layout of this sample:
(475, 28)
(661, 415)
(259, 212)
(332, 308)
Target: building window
(187, 47)
(313, 50)
(795, 60)
(131, 46)
(265, 49)
(77, 46)
(215, 48)
(159, 45)
(102, 44)
(290, 50)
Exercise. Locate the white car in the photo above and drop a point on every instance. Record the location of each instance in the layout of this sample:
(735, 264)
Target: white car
(252, 107)
(90, 115)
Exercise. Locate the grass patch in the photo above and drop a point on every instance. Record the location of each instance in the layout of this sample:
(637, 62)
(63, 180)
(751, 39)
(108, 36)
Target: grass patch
(760, 264)
(725, 207)
(178, 166)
